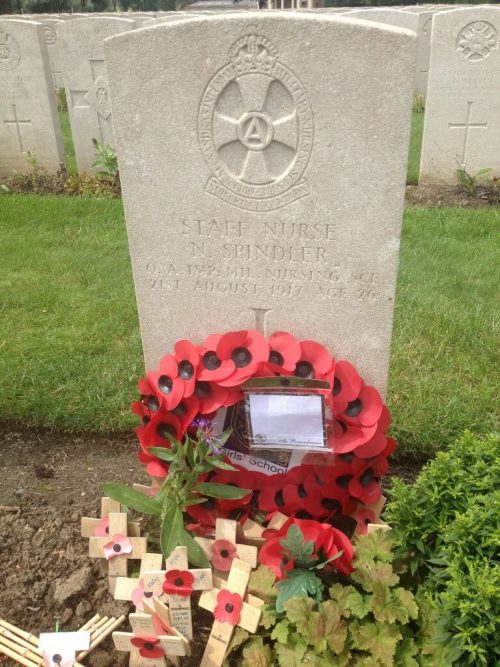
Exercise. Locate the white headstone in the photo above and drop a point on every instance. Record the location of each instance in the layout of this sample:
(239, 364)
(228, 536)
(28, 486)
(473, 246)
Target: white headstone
(28, 109)
(261, 189)
(462, 119)
(50, 30)
(81, 51)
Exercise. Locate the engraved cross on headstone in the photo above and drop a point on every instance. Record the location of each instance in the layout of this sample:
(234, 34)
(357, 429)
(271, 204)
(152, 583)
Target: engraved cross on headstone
(96, 98)
(467, 126)
(18, 122)
(261, 318)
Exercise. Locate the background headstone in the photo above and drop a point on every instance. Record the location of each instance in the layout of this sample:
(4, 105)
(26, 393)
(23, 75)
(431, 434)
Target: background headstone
(261, 189)
(50, 30)
(28, 110)
(462, 119)
(81, 52)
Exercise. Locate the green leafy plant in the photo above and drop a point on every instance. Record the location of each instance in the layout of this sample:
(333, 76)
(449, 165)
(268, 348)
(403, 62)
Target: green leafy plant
(420, 513)
(106, 160)
(188, 461)
(469, 183)
(367, 619)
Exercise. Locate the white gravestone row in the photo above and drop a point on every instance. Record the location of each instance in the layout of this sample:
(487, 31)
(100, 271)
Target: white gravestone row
(28, 112)
(81, 51)
(462, 120)
(247, 168)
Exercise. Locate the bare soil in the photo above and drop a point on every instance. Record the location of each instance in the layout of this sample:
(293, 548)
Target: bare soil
(48, 481)
(452, 196)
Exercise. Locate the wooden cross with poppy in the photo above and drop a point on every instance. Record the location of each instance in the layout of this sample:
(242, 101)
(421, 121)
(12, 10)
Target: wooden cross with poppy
(162, 620)
(225, 548)
(91, 527)
(117, 547)
(253, 533)
(151, 643)
(175, 584)
(131, 588)
(229, 610)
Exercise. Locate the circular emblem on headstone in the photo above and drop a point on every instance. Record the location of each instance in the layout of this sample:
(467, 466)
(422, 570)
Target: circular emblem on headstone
(10, 52)
(477, 41)
(255, 128)
(427, 28)
(50, 34)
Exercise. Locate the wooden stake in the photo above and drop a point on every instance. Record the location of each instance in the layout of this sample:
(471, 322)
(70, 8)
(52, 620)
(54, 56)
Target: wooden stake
(118, 525)
(89, 525)
(179, 606)
(222, 630)
(131, 589)
(225, 538)
(144, 629)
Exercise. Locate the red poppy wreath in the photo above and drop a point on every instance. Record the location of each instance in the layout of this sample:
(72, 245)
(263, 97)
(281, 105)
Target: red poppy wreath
(195, 381)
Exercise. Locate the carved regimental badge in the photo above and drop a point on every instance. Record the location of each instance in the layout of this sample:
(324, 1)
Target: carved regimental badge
(255, 128)
(10, 52)
(477, 41)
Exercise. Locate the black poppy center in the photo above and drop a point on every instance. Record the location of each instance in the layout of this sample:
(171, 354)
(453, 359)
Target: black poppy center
(337, 386)
(229, 607)
(302, 493)
(304, 370)
(148, 594)
(186, 369)
(209, 504)
(149, 646)
(302, 514)
(210, 361)
(343, 481)
(241, 357)
(178, 581)
(278, 498)
(366, 477)
(276, 358)
(284, 561)
(354, 408)
(146, 420)
(57, 659)
(165, 384)
(180, 410)
(330, 504)
(153, 403)
(117, 548)
(224, 553)
(106, 530)
(348, 457)
(163, 430)
(202, 390)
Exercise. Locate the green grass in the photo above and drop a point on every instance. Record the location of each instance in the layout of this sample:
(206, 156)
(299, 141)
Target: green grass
(70, 348)
(417, 128)
(444, 367)
(69, 149)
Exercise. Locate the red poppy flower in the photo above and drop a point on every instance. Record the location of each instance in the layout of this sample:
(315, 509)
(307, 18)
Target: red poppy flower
(212, 368)
(211, 396)
(345, 437)
(205, 513)
(186, 411)
(154, 467)
(378, 442)
(365, 409)
(315, 361)
(284, 353)
(272, 555)
(102, 528)
(346, 385)
(154, 433)
(228, 607)
(365, 485)
(246, 351)
(178, 582)
(119, 545)
(223, 553)
(167, 384)
(188, 359)
(200, 529)
(148, 395)
(148, 646)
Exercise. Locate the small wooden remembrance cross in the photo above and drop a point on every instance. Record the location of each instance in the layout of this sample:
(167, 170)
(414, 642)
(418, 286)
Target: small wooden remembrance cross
(229, 610)
(117, 548)
(151, 643)
(224, 549)
(91, 527)
(175, 584)
(128, 588)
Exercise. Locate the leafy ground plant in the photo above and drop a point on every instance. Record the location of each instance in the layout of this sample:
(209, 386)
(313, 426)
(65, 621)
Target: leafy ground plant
(188, 461)
(366, 620)
(421, 513)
